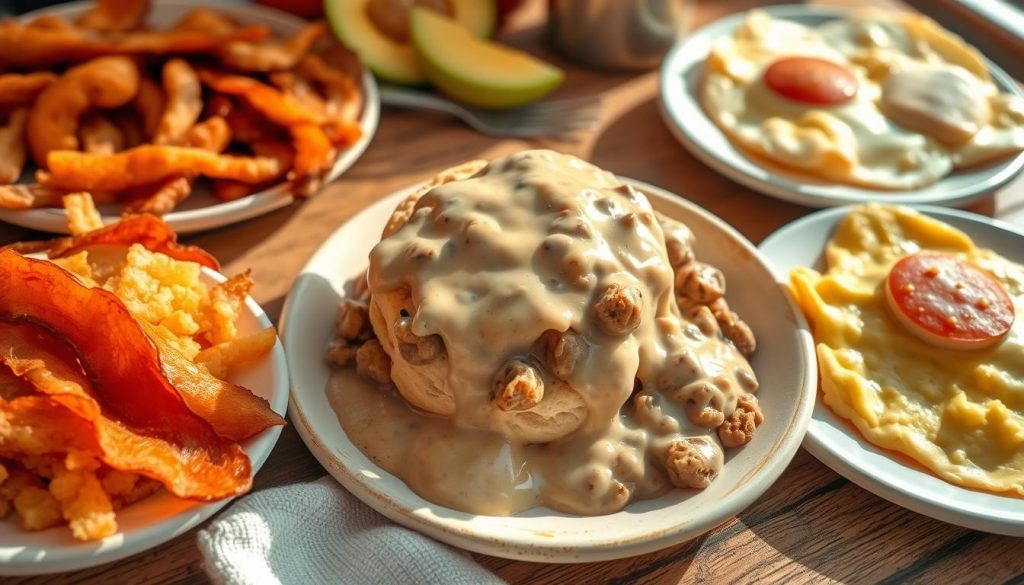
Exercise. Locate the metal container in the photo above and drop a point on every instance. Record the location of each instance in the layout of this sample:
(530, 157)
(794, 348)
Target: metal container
(616, 34)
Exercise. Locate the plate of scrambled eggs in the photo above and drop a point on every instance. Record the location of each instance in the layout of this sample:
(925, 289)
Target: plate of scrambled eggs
(920, 405)
(825, 107)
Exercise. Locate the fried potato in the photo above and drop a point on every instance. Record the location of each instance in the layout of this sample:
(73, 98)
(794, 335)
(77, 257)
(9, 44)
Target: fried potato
(205, 20)
(221, 358)
(314, 153)
(82, 214)
(211, 134)
(184, 102)
(70, 169)
(160, 198)
(115, 15)
(272, 55)
(107, 82)
(20, 89)
(29, 196)
(275, 106)
(23, 46)
(37, 509)
(225, 306)
(149, 105)
(98, 135)
(12, 147)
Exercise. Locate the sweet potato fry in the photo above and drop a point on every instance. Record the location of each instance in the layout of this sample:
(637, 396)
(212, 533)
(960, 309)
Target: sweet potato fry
(272, 55)
(162, 197)
(299, 88)
(274, 105)
(184, 102)
(148, 164)
(115, 15)
(172, 444)
(23, 46)
(313, 155)
(142, 379)
(12, 146)
(107, 82)
(149, 105)
(19, 89)
(98, 135)
(50, 22)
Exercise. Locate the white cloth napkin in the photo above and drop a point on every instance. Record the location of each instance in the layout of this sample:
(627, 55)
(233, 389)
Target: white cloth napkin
(319, 533)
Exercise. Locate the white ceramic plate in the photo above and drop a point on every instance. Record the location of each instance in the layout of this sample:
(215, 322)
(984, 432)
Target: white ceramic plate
(680, 80)
(202, 211)
(784, 363)
(160, 517)
(838, 444)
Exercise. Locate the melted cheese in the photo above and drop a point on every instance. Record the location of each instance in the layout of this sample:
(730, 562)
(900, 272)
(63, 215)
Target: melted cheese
(958, 413)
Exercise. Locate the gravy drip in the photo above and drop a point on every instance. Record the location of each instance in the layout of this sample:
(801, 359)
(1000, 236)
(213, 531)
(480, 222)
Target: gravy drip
(526, 246)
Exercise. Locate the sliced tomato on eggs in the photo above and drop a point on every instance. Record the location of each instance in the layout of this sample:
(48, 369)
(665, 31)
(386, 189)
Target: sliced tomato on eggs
(948, 302)
(811, 80)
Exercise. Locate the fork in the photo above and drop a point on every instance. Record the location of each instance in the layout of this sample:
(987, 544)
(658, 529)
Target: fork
(550, 118)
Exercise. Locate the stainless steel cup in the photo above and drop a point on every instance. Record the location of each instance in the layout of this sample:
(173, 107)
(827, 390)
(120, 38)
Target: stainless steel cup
(616, 34)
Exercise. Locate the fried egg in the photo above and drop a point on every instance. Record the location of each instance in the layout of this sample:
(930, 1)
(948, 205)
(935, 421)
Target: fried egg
(958, 411)
(914, 102)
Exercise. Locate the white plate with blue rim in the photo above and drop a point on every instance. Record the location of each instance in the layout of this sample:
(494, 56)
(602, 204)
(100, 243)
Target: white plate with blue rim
(680, 80)
(202, 211)
(838, 444)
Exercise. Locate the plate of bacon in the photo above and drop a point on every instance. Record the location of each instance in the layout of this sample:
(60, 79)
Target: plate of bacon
(205, 116)
(140, 390)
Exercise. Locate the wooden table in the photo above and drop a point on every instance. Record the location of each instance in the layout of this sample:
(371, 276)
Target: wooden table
(811, 526)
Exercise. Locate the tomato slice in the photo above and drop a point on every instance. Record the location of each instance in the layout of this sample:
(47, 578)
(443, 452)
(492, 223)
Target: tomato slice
(811, 80)
(948, 302)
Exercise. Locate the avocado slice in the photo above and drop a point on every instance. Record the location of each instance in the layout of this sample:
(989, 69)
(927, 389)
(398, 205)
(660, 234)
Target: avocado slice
(476, 71)
(389, 58)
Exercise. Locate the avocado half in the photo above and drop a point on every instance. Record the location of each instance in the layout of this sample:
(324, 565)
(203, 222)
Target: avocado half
(389, 59)
(476, 71)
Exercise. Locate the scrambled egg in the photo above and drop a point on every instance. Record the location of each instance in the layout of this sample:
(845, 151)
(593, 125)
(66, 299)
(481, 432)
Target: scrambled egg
(924, 103)
(958, 413)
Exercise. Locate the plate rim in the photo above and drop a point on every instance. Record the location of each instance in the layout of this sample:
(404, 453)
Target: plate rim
(679, 107)
(521, 547)
(120, 545)
(54, 220)
(818, 440)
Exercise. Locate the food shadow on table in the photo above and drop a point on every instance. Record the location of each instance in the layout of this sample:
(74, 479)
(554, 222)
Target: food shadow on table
(832, 527)
(251, 232)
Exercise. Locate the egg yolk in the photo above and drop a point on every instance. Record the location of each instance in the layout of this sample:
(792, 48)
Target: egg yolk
(811, 80)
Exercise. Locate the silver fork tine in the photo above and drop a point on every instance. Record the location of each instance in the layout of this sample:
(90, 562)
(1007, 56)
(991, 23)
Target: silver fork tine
(552, 118)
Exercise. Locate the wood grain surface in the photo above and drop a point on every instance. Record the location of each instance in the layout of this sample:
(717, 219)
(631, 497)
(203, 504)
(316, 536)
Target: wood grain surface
(811, 526)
